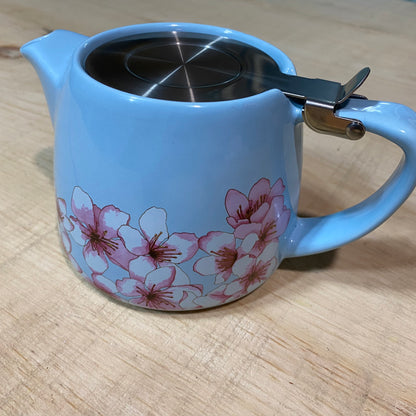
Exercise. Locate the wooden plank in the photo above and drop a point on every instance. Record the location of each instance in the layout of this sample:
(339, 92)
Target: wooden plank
(332, 334)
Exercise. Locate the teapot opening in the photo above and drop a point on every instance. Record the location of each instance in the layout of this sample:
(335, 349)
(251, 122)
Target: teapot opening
(188, 66)
(182, 66)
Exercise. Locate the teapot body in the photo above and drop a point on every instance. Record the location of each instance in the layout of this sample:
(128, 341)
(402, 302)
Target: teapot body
(174, 205)
(165, 204)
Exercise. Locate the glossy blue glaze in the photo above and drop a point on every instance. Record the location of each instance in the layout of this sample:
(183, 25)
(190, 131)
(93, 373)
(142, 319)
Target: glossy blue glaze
(192, 161)
(51, 55)
(395, 122)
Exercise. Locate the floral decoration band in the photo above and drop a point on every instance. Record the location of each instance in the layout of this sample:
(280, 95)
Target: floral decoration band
(151, 258)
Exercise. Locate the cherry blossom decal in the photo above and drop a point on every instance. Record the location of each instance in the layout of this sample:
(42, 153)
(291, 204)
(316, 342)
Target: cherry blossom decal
(145, 265)
(162, 288)
(153, 242)
(64, 224)
(96, 229)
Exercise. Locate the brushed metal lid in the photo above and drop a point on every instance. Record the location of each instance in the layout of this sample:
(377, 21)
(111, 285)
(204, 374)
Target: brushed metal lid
(182, 66)
(197, 67)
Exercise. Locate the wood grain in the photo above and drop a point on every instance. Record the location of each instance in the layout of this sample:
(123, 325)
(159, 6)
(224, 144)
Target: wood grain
(333, 334)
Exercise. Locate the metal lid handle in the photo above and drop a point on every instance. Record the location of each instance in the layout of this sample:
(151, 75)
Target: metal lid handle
(319, 114)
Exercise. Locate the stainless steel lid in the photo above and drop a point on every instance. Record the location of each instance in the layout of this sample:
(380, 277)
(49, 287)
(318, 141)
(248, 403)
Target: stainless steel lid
(181, 66)
(196, 67)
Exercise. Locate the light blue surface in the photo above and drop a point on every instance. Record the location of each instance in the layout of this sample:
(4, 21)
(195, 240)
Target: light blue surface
(136, 153)
(395, 122)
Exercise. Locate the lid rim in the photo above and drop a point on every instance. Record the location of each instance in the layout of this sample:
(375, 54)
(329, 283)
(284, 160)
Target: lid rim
(112, 35)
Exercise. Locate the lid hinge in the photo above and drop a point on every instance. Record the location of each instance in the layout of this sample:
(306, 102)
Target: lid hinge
(321, 118)
(321, 98)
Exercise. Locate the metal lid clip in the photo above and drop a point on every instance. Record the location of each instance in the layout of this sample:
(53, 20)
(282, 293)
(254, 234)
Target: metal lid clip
(321, 99)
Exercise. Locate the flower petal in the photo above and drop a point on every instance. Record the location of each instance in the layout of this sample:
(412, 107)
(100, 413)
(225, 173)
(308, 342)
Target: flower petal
(206, 266)
(82, 206)
(269, 252)
(243, 266)
(66, 242)
(129, 287)
(184, 244)
(272, 267)
(167, 299)
(236, 204)
(277, 189)
(277, 205)
(79, 233)
(61, 205)
(252, 285)
(139, 301)
(248, 243)
(234, 289)
(181, 278)
(194, 289)
(160, 278)
(140, 267)
(205, 302)
(176, 293)
(213, 298)
(120, 256)
(234, 223)
(104, 283)
(133, 240)
(153, 223)
(244, 230)
(96, 212)
(110, 220)
(179, 297)
(276, 220)
(95, 260)
(67, 224)
(259, 191)
(222, 276)
(187, 300)
(216, 240)
(189, 292)
(260, 213)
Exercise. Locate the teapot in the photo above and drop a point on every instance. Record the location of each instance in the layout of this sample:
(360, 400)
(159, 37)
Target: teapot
(178, 159)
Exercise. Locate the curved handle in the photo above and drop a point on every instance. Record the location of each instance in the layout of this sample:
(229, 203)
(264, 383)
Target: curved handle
(395, 122)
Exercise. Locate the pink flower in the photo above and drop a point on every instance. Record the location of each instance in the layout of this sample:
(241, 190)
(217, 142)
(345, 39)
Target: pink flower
(153, 244)
(214, 298)
(104, 283)
(64, 224)
(163, 288)
(223, 253)
(252, 272)
(273, 225)
(243, 210)
(96, 230)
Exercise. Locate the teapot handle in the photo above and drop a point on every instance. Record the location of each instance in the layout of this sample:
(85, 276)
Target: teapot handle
(396, 123)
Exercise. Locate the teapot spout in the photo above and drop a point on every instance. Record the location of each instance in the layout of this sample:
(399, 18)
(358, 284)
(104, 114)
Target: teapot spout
(50, 55)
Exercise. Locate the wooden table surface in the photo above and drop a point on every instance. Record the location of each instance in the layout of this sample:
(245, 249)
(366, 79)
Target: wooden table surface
(332, 334)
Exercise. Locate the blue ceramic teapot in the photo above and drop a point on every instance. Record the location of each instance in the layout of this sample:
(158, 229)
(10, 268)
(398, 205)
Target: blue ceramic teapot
(178, 159)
